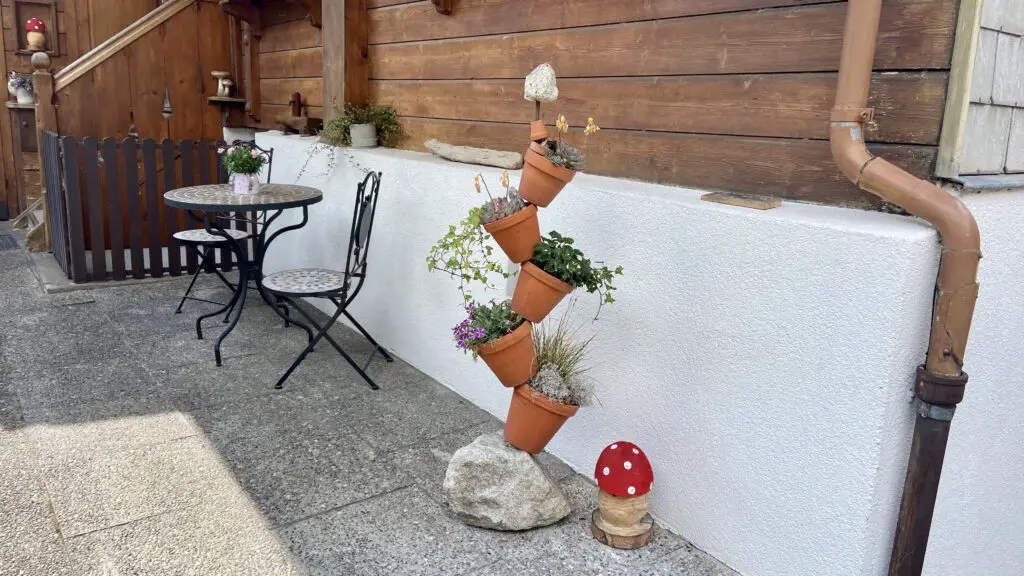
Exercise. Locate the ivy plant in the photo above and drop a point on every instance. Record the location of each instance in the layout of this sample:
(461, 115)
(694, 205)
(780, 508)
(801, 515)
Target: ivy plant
(464, 254)
(557, 255)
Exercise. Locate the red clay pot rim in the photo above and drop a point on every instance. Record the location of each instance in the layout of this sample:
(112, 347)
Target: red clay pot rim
(538, 273)
(542, 401)
(510, 221)
(525, 330)
(536, 156)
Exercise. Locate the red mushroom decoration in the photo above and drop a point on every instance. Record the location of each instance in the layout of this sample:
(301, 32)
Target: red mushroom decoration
(624, 476)
(35, 33)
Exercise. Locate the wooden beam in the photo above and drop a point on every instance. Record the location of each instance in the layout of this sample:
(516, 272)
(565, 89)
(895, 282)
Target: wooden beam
(345, 54)
(315, 9)
(958, 95)
(246, 11)
(443, 6)
(251, 70)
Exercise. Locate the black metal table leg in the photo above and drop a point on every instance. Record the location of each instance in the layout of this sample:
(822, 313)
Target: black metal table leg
(261, 243)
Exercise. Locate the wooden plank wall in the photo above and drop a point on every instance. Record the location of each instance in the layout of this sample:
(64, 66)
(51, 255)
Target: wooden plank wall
(81, 25)
(176, 59)
(291, 60)
(725, 94)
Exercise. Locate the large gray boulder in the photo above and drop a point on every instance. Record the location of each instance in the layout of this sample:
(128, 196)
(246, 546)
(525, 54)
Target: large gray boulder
(493, 485)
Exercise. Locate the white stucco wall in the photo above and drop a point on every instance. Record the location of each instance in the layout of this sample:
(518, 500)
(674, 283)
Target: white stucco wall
(762, 359)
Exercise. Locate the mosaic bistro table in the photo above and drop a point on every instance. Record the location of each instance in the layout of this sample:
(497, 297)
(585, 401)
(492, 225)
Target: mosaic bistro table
(216, 206)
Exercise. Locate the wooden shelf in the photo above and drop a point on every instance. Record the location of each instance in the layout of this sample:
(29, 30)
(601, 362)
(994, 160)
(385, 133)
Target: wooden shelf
(16, 106)
(226, 101)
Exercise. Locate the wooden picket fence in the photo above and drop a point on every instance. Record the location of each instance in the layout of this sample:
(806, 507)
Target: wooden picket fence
(107, 218)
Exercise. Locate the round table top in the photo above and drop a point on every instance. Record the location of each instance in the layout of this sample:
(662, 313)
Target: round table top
(221, 197)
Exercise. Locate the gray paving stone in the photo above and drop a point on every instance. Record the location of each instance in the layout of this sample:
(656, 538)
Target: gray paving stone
(96, 491)
(53, 343)
(297, 479)
(224, 538)
(92, 390)
(688, 561)
(400, 533)
(408, 409)
(201, 383)
(30, 545)
(81, 435)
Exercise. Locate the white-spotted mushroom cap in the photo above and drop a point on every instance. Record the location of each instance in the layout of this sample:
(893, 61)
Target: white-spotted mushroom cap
(35, 25)
(623, 470)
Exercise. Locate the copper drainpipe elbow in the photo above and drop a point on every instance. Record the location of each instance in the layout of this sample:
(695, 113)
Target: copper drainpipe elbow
(941, 381)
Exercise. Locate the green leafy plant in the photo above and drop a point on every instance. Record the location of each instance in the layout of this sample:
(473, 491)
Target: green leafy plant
(485, 323)
(383, 116)
(499, 207)
(556, 255)
(242, 160)
(464, 254)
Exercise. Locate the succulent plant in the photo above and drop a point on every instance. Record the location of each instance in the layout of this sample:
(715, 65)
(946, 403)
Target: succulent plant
(502, 206)
(565, 155)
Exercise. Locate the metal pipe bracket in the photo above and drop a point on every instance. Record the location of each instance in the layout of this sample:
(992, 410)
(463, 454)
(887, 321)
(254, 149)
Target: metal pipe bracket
(864, 115)
(940, 389)
(934, 412)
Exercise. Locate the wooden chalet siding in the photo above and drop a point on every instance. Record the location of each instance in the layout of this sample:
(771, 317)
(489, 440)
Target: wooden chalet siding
(291, 60)
(176, 59)
(727, 94)
(80, 26)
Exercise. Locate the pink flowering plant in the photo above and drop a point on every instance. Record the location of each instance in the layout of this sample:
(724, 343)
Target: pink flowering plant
(485, 323)
(241, 160)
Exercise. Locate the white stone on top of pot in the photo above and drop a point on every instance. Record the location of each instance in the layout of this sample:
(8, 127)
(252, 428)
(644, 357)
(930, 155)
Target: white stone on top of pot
(541, 85)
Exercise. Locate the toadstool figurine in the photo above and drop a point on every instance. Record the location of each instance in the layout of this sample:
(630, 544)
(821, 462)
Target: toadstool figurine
(35, 34)
(624, 476)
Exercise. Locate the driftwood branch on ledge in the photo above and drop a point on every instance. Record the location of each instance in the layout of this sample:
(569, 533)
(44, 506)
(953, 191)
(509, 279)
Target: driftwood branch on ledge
(469, 155)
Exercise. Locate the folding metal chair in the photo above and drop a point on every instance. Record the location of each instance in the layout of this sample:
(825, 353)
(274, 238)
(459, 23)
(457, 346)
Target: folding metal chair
(205, 244)
(339, 287)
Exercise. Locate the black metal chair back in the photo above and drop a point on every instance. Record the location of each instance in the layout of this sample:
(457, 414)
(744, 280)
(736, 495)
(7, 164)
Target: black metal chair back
(267, 153)
(362, 228)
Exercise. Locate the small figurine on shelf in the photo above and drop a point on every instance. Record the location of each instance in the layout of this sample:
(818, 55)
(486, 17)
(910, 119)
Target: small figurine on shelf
(624, 476)
(225, 85)
(20, 86)
(35, 34)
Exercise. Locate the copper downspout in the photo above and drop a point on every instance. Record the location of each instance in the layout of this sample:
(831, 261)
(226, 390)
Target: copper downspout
(941, 381)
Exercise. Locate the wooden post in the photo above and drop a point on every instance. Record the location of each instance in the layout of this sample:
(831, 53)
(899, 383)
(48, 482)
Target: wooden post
(46, 119)
(346, 54)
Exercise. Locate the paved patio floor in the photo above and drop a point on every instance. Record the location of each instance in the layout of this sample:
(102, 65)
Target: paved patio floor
(124, 450)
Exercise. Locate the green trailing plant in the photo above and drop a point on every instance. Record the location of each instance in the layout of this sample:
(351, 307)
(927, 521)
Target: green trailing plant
(465, 254)
(242, 160)
(561, 352)
(485, 323)
(557, 255)
(383, 116)
(499, 207)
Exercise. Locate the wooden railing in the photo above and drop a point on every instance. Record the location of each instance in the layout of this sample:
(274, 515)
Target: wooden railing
(108, 219)
(118, 42)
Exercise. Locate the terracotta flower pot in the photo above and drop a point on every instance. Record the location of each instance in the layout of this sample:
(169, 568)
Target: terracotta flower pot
(542, 180)
(511, 357)
(517, 234)
(534, 419)
(537, 293)
(538, 131)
